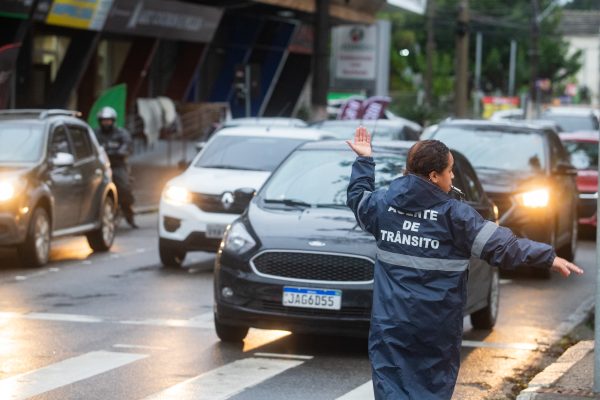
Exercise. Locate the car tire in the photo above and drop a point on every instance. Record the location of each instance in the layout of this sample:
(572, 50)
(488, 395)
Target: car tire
(35, 251)
(102, 238)
(230, 333)
(486, 317)
(170, 256)
(569, 249)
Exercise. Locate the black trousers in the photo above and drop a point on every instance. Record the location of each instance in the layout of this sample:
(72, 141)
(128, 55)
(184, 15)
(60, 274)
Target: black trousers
(123, 184)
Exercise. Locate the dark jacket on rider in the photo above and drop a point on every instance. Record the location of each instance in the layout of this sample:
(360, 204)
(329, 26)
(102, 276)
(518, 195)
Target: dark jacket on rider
(117, 143)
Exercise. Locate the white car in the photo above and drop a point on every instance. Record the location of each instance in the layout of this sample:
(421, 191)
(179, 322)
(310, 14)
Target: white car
(196, 206)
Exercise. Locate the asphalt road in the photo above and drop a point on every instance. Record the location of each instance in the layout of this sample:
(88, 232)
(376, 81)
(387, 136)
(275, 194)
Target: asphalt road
(118, 326)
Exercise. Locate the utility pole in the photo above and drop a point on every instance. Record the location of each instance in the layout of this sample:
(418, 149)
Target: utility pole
(478, 55)
(512, 67)
(462, 59)
(430, 50)
(320, 66)
(534, 60)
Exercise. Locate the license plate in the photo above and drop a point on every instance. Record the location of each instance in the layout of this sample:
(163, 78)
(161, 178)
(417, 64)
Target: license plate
(215, 231)
(328, 299)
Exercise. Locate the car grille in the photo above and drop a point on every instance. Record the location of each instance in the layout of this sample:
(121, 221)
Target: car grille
(213, 203)
(314, 266)
(344, 312)
(503, 203)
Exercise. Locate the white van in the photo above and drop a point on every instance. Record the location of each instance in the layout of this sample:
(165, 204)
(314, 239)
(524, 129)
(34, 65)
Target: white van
(196, 206)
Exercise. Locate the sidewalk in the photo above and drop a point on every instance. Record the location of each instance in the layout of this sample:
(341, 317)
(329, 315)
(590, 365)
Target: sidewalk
(152, 168)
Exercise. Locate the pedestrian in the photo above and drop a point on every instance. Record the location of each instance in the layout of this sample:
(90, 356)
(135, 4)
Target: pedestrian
(419, 293)
(118, 146)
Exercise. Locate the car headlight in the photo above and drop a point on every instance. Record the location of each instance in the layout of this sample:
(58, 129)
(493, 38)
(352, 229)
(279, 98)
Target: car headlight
(237, 239)
(7, 190)
(177, 195)
(538, 198)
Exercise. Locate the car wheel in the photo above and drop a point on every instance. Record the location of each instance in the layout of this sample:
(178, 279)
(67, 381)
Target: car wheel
(568, 250)
(230, 333)
(169, 255)
(35, 251)
(486, 317)
(102, 238)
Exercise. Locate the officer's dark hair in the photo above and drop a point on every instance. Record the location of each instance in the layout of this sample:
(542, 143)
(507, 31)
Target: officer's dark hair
(426, 156)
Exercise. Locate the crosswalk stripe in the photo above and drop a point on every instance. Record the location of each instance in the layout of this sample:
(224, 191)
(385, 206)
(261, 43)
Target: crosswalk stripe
(226, 381)
(64, 373)
(363, 392)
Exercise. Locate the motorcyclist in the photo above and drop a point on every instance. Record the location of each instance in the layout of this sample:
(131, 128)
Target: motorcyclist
(118, 145)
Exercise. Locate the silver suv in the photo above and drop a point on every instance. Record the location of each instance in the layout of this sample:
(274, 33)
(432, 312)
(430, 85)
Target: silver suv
(55, 180)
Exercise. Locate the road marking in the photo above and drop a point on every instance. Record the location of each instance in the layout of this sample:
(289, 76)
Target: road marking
(363, 392)
(505, 281)
(284, 356)
(138, 346)
(493, 345)
(64, 373)
(226, 381)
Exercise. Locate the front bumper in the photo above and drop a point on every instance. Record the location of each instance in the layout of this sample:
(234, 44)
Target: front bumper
(534, 224)
(586, 208)
(257, 302)
(186, 226)
(13, 227)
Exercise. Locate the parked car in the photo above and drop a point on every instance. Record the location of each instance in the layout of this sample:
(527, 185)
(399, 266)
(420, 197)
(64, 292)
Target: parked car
(297, 259)
(583, 150)
(55, 180)
(381, 129)
(196, 206)
(573, 119)
(527, 173)
(264, 121)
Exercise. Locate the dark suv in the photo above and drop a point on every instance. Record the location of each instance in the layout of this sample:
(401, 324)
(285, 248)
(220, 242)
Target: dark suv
(55, 180)
(527, 173)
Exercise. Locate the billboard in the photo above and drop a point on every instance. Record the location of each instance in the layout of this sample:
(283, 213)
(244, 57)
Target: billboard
(81, 14)
(165, 19)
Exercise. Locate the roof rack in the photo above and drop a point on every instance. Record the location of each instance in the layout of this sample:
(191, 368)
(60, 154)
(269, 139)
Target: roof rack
(40, 113)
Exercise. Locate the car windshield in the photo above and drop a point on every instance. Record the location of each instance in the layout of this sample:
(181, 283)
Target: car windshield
(573, 123)
(246, 152)
(489, 148)
(584, 155)
(319, 178)
(343, 130)
(20, 143)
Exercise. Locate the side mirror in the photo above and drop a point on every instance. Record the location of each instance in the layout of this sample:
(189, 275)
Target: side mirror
(63, 160)
(565, 168)
(200, 145)
(244, 195)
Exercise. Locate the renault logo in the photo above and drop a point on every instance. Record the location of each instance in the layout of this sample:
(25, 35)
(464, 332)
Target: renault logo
(316, 243)
(227, 200)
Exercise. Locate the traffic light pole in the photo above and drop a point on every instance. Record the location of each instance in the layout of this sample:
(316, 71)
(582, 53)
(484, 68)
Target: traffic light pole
(462, 60)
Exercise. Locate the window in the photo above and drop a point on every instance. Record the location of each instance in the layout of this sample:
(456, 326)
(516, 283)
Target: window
(60, 142)
(471, 188)
(81, 142)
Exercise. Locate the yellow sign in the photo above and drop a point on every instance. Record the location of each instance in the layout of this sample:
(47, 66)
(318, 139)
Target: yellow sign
(81, 14)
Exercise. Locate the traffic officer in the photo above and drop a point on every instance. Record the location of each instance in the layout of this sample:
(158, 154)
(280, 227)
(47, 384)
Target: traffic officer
(118, 146)
(420, 286)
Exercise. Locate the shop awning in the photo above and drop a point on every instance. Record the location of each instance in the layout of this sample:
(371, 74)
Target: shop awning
(356, 11)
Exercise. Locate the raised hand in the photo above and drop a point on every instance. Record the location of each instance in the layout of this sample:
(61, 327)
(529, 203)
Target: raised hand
(362, 142)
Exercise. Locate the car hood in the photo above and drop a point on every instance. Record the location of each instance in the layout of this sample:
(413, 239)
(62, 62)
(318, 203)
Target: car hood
(12, 172)
(507, 181)
(587, 181)
(217, 181)
(312, 229)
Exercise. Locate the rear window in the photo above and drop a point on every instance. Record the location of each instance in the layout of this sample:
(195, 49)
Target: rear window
(246, 152)
(20, 142)
(573, 123)
(489, 148)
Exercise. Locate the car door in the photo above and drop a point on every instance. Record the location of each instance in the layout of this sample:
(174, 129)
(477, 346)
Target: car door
(64, 181)
(566, 205)
(480, 272)
(91, 173)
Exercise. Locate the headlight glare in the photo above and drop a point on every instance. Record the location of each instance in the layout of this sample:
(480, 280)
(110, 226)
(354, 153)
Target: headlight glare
(7, 190)
(237, 239)
(177, 195)
(538, 198)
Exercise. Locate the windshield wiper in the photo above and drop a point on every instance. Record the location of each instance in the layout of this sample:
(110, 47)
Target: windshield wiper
(230, 167)
(288, 202)
(331, 205)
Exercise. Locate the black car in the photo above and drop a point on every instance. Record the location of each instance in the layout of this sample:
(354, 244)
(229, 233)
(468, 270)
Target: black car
(297, 260)
(55, 180)
(527, 173)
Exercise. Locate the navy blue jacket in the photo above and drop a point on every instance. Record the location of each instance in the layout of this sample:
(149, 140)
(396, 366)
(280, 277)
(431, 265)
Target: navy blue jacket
(424, 241)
